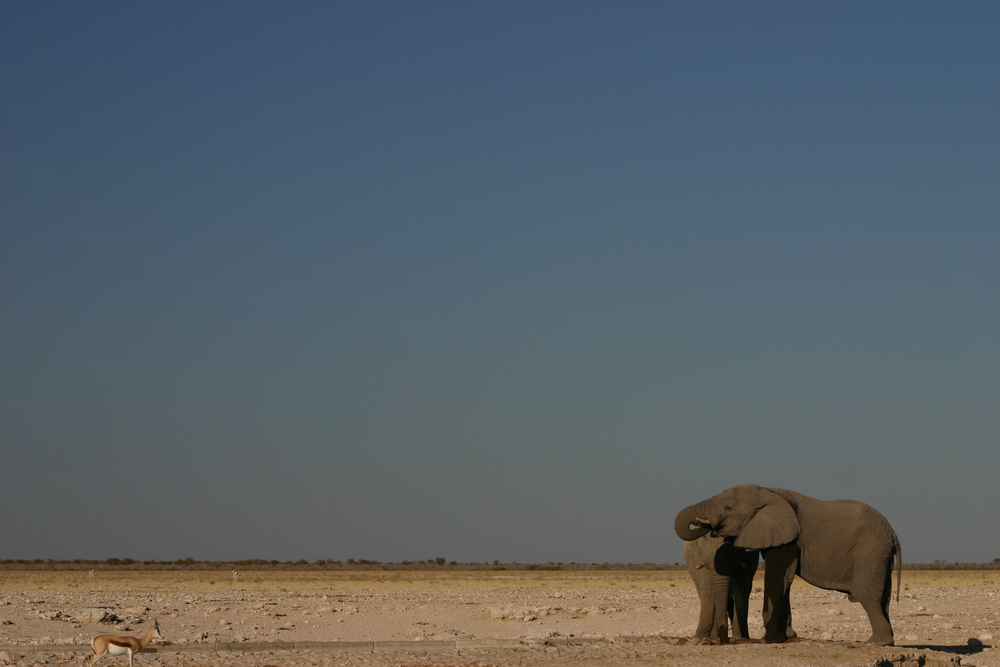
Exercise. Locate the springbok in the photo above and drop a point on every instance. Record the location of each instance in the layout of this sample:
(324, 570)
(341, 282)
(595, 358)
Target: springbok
(235, 575)
(120, 645)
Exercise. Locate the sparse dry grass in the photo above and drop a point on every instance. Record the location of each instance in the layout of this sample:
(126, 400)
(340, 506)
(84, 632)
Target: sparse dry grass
(192, 580)
(25, 581)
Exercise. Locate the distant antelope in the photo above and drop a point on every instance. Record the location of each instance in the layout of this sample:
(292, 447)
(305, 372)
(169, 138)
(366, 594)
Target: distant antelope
(120, 645)
(235, 574)
(90, 573)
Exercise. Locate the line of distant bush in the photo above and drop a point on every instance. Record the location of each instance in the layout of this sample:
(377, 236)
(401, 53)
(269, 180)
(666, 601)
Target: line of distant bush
(304, 565)
(362, 564)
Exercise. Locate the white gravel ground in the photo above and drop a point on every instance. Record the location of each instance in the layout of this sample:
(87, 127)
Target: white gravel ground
(551, 618)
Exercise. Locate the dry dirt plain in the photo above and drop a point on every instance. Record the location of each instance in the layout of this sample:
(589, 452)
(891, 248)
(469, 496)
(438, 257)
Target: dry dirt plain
(477, 618)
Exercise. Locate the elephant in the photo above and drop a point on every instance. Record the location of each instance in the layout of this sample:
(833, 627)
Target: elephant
(723, 575)
(841, 545)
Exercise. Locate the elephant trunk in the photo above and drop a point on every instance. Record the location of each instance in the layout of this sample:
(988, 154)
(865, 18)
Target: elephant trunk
(686, 517)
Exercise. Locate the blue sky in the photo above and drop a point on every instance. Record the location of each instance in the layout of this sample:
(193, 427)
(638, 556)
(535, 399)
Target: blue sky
(510, 281)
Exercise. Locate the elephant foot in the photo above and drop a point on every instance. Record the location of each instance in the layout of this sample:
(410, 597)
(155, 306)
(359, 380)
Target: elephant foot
(881, 641)
(775, 637)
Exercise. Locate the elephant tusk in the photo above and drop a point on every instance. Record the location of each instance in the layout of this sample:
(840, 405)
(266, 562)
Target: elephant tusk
(699, 565)
(704, 523)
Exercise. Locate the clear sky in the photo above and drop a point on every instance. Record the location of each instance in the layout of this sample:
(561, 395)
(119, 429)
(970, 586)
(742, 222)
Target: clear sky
(510, 280)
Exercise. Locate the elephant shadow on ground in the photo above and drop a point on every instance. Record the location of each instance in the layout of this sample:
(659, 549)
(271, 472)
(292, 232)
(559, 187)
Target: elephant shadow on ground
(954, 649)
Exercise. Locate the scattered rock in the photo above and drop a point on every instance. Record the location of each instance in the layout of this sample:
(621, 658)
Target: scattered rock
(540, 633)
(92, 615)
(9, 658)
(523, 614)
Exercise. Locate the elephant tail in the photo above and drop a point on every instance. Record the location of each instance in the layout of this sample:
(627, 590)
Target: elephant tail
(899, 566)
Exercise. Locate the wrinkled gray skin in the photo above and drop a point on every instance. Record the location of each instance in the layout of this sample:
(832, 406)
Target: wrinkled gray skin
(841, 545)
(723, 575)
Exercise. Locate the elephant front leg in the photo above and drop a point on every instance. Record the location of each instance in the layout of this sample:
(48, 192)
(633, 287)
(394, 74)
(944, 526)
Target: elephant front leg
(738, 607)
(706, 617)
(780, 564)
(720, 590)
(788, 629)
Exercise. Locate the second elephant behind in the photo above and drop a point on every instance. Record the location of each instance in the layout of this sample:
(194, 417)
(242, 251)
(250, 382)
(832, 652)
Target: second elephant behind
(723, 576)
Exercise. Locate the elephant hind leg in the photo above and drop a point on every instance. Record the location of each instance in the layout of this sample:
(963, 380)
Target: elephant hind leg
(876, 605)
(878, 616)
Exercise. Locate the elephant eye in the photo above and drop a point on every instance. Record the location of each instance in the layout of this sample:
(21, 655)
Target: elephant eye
(728, 508)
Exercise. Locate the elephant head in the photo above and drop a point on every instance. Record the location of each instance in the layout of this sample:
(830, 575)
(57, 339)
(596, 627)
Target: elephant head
(754, 517)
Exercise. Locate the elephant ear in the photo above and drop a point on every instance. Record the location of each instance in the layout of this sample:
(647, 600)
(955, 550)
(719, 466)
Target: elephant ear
(772, 525)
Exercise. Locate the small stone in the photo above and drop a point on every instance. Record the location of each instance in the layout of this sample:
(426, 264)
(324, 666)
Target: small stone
(9, 657)
(986, 636)
(921, 608)
(498, 612)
